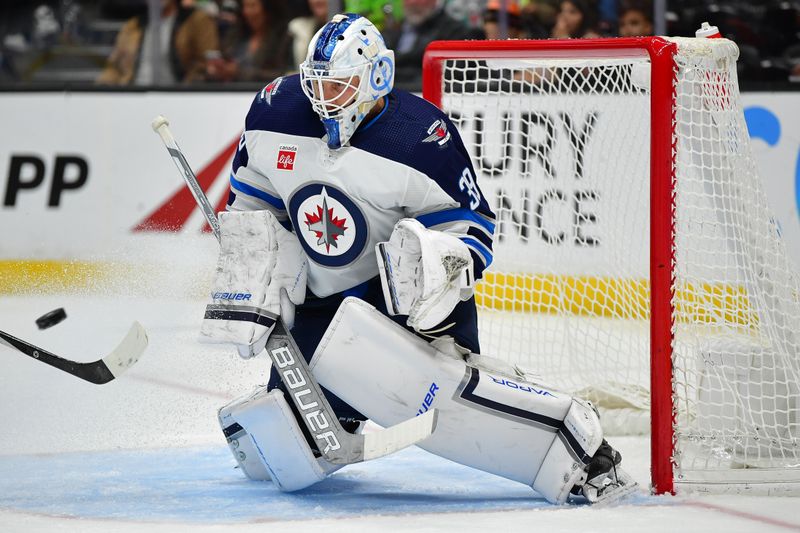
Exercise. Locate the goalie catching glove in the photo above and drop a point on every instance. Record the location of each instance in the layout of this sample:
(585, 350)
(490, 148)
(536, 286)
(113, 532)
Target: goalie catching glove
(424, 273)
(261, 275)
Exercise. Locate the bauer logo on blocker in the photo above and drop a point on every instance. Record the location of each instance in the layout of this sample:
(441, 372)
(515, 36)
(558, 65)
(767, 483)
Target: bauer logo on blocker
(330, 226)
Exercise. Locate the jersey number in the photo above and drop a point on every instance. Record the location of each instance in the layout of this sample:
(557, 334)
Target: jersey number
(467, 185)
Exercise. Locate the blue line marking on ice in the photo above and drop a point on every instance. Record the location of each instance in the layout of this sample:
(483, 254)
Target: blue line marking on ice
(202, 485)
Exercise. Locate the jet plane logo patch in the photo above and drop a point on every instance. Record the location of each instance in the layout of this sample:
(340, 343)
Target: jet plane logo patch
(270, 90)
(330, 226)
(437, 132)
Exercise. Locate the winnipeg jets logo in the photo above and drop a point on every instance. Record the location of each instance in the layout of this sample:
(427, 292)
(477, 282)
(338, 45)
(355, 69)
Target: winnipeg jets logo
(326, 226)
(437, 132)
(330, 226)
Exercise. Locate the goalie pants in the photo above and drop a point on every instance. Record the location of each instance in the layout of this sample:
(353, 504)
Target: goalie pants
(313, 317)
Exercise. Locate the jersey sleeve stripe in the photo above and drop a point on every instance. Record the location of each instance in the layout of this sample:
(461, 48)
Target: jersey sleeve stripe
(257, 193)
(477, 264)
(481, 236)
(464, 227)
(458, 214)
(478, 247)
(244, 202)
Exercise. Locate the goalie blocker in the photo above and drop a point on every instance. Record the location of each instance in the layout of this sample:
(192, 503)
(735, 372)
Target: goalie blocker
(494, 422)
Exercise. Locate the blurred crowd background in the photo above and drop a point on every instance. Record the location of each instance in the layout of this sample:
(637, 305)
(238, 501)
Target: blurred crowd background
(210, 43)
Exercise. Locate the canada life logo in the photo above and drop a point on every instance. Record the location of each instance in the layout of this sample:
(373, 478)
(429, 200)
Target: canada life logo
(286, 157)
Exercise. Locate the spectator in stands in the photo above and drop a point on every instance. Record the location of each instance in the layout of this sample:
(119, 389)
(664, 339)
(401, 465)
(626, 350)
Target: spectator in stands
(259, 49)
(424, 21)
(539, 17)
(6, 71)
(46, 27)
(608, 15)
(576, 19)
(171, 50)
(491, 20)
(302, 29)
(635, 18)
(227, 19)
(385, 14)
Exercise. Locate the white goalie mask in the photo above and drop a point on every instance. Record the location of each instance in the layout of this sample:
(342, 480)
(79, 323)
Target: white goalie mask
(347, 70)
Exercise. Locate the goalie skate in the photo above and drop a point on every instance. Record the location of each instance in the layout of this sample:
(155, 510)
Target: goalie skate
(611, 488)
(606, 482)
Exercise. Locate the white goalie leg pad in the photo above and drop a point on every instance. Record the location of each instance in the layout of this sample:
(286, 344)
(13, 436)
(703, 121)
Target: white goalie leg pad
(562, 468)
(486, 420)
(240, 443)
(267, 442)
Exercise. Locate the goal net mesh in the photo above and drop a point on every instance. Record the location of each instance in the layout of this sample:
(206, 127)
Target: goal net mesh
(561, 147)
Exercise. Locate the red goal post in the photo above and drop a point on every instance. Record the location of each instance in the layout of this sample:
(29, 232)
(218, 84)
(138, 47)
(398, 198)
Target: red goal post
(460, 75)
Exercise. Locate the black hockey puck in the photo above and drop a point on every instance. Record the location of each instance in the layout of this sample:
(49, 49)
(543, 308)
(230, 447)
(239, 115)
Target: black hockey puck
(52, 318)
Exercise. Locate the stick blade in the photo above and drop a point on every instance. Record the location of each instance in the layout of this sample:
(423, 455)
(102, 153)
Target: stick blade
(402, 435)
(128, 351)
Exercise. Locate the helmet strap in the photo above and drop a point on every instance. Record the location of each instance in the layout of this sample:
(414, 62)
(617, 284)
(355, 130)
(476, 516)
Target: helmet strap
(332, 129)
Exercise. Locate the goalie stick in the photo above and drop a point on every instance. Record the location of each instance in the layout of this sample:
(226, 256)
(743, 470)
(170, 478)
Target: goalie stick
(97, 372)
(336, 445)
(161, 126)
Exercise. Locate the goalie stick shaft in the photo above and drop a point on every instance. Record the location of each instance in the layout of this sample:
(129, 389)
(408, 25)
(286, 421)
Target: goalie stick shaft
(161, 126)
(336, 445)
(97, 372)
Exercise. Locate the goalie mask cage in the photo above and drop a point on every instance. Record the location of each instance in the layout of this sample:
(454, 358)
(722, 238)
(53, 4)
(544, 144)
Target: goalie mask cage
(636, 261)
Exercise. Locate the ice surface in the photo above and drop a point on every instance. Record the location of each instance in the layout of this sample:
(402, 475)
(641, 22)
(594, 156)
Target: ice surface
(144, 452)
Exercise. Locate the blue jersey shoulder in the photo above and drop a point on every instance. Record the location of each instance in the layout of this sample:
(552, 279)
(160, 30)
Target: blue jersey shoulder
(413, 132)
(416, 133)
(282, 107)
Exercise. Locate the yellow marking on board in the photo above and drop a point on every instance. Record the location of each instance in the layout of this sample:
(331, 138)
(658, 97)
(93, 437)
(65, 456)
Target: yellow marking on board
(609, 297)
(40, 276)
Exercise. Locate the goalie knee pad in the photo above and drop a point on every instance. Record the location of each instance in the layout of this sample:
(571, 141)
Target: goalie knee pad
(487, 420)
(267, 442)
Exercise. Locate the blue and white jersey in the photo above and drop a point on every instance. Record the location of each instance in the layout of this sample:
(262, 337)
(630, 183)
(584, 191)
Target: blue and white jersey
(407, 162)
